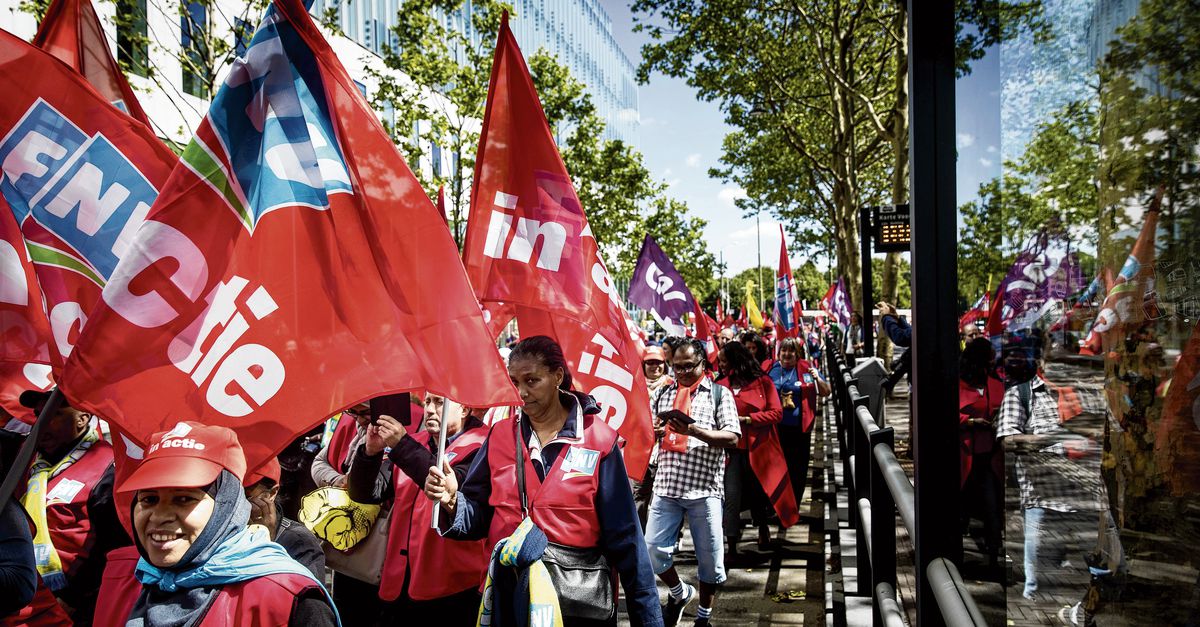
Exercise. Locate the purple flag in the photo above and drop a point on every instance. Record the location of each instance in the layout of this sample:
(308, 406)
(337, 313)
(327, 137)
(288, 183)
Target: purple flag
(1036, 283)
(658, 288)
(837, 303)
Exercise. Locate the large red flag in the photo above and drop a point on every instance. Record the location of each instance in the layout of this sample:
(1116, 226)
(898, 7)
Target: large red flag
(72, 32)
(24, 329)
(79, 178)
(529, 244)
(282, 274)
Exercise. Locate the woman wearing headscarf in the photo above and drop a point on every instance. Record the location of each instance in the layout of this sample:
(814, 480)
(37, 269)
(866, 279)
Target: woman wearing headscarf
(195, 560)
(550, 485)
(756, 476)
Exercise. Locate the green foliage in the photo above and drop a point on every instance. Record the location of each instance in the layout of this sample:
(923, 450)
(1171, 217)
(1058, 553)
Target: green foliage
(903, 296)
(611, 179)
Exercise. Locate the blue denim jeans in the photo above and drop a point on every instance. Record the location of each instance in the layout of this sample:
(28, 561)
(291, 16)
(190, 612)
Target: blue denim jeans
(1034, 516)
(704, 520)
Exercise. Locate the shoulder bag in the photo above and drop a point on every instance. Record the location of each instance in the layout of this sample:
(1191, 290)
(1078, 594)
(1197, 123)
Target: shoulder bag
(582, 578)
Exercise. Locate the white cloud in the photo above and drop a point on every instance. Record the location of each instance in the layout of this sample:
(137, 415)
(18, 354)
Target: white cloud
(673, 182)
(965, 140)
(985, 162)
(693, 160)
(728, 195)
(667, 172)
(992, 149)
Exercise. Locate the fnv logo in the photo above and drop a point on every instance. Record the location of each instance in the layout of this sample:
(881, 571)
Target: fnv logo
(266, 116)
(78, 186)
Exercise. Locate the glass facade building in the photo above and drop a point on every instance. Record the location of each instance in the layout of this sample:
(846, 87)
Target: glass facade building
(578, 32)
(1090, 200)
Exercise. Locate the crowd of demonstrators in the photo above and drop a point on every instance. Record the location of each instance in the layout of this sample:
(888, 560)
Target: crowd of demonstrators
(549, 490)
(690, 483)
(755, 467)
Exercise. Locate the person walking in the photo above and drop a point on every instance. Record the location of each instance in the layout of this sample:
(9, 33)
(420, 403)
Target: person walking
(550, 485)
(690, 482)
(195, 559)
(756, 466)
(799, 383)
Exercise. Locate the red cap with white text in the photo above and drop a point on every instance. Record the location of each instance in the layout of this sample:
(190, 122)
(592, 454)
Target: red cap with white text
(191, 455)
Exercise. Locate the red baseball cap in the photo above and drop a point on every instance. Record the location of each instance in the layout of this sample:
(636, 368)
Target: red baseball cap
(268, 470)
(191, 455)
(654, 352)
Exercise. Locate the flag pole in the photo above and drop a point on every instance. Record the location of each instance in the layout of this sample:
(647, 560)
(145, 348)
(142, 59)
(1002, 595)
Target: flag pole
(441, 453)
(25, 454)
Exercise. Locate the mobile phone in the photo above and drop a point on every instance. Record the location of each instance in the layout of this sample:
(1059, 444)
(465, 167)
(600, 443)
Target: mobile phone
(394, 405)
(675, 414)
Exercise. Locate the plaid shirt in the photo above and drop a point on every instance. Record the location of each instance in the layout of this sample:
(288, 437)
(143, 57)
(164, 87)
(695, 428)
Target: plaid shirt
(1047, 477)
(700, 472)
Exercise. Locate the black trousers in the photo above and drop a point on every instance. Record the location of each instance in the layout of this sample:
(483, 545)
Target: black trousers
(797, 453)
(357, 602)
(742, 491)
(461, 608)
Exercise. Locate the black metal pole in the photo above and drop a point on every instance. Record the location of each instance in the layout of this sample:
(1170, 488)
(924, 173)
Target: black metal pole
(868, 282)
(25, 454)
(934, 293)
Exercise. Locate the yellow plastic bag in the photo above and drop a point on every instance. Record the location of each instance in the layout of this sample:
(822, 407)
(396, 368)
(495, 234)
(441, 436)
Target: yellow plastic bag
(334, 517)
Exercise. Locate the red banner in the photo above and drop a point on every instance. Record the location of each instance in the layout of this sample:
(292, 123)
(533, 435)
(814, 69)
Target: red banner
(529, 245)
(282, 274)
(24, 329)
(72, 32)
(79, 178)
(1177, 443)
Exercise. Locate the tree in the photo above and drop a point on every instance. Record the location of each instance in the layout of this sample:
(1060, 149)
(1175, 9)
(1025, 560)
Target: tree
(432, 56)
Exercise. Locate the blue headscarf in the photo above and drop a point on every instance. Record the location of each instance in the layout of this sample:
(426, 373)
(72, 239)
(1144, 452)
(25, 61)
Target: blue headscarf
(225, 552)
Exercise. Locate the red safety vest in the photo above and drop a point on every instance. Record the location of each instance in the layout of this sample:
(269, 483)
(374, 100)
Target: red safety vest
(761, 440)
(70, 528)
(339, 442)
(564, 506)
(440, 567)
(261, 602)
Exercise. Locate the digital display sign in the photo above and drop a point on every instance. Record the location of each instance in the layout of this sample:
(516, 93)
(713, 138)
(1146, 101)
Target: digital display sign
(892, 231)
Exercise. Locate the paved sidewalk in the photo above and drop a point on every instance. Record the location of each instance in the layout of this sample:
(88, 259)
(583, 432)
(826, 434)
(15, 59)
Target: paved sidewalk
(795, 564)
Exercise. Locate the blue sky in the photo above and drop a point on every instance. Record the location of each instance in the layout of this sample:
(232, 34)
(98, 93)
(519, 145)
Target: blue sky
(681, 136)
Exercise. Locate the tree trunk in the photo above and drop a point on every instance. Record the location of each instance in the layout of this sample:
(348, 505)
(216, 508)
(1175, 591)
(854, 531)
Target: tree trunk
(890, 286)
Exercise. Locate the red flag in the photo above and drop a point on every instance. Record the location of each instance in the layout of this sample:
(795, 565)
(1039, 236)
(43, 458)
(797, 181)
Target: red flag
(72, 32)
(274, 285)
(79, 178)
(706, 331)
(528, 243)
(980, 310)
(1177, 443)
(720, 312)
(441, 204)
(24, 329)
(1127, 304)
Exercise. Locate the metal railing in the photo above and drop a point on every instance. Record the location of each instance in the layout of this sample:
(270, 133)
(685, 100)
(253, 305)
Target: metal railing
(878, 487)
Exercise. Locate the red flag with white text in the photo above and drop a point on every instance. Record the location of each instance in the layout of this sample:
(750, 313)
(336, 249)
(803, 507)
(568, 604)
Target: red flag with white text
(282, 273)
(24, 328)
(79, 178)
(529, 244)
(71, 31)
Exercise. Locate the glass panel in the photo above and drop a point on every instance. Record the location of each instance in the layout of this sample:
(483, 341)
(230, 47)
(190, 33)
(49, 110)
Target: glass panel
(1077, 172)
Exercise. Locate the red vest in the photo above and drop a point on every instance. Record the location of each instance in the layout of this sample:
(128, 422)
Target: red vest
(339, 442)
(70, 528)
(564, 506)
(440, 567)
(262, 602)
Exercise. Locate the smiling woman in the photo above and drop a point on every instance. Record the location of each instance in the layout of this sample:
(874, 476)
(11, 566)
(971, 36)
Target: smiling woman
(195, 560)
